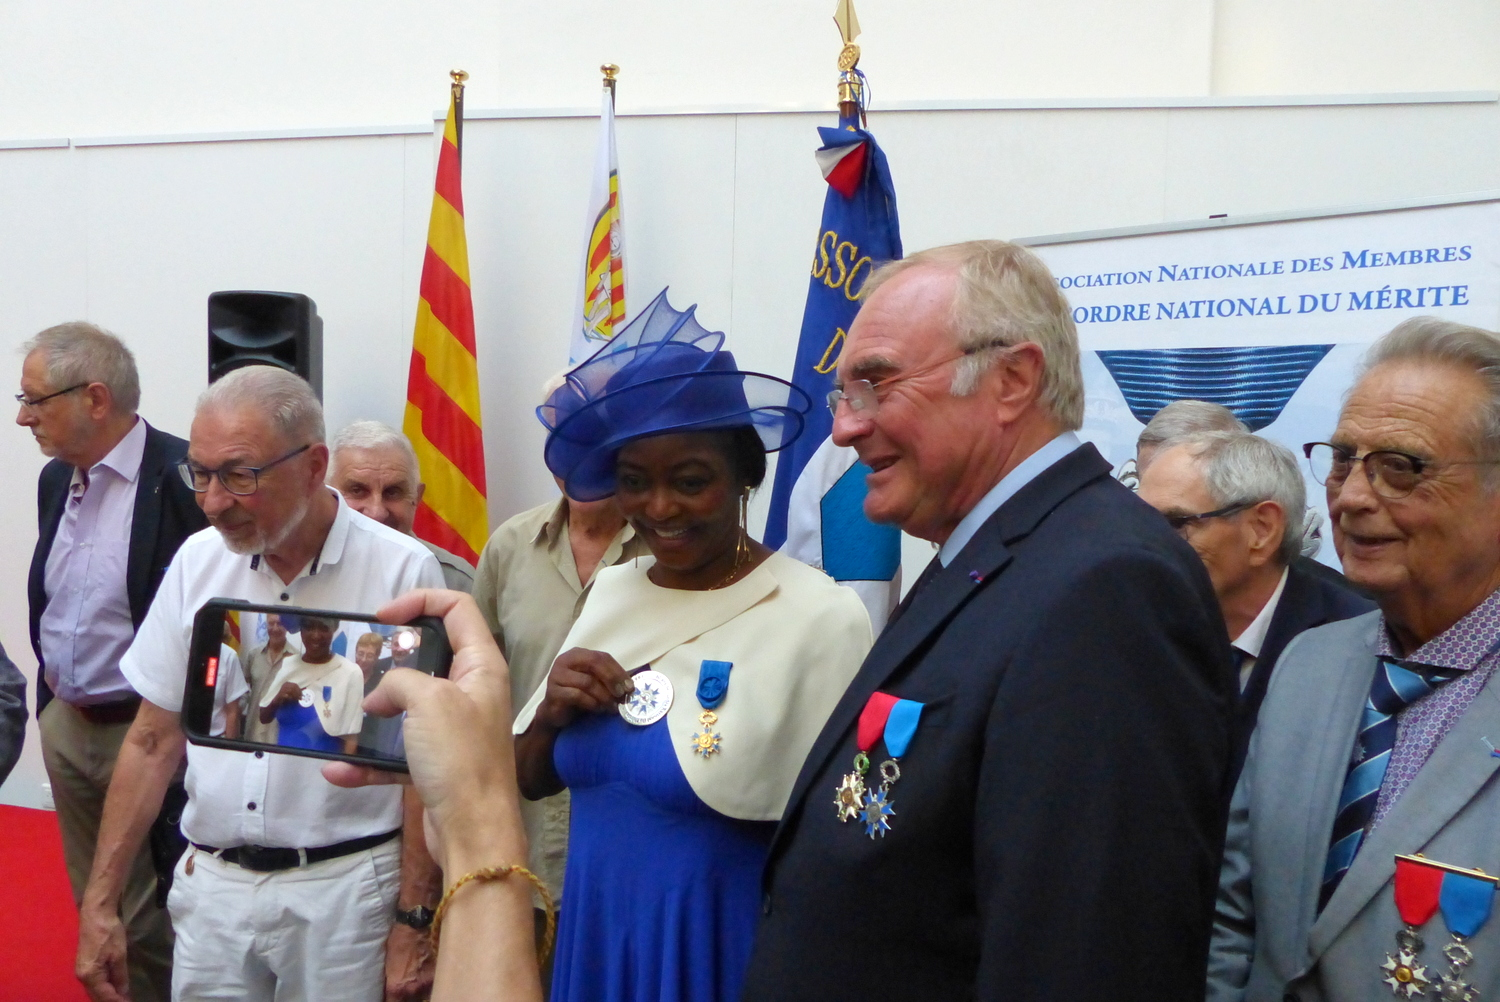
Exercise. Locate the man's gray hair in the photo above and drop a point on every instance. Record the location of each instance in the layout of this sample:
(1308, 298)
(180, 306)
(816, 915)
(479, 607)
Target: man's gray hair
(1443, 342)
(1006, 296)
(1240, 467)
(1188, 417)
(81, 352)
(284, 397)
(367, 434)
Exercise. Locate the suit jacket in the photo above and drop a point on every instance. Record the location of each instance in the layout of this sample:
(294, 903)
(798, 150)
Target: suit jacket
(1269, 944)
(12, 714)
(1309, 599)
(166, 513)
(1059, 815)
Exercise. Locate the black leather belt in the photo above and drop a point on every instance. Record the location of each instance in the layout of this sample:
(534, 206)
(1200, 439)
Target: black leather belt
(269, 859)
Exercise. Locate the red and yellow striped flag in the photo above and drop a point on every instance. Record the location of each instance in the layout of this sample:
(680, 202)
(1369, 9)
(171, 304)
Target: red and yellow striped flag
(442, 390)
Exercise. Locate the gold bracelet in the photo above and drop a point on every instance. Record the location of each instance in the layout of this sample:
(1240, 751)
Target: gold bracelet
(500, 873)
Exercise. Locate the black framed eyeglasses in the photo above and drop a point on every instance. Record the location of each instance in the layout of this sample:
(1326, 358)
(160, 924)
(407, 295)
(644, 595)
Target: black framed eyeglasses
(34, 402)
(238, 480)
(1391, 474)
(1180, 522)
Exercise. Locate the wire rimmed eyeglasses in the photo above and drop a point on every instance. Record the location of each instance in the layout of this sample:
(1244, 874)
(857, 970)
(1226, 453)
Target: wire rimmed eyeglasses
(238, 480)
(32, 403)
(861, 395)
(1391, 474)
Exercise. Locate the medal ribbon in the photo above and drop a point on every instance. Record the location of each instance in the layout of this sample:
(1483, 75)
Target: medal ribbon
(713, 682)
(1417, 891)
(1465, 902)
(889, 716)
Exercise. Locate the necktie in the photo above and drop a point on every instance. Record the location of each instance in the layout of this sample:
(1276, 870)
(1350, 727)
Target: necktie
(1397, 684)
(926, 576)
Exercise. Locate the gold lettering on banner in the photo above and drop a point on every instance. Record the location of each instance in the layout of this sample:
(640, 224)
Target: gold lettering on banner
(849, 292)
(825, 246)
(831, 354)
(843, 265)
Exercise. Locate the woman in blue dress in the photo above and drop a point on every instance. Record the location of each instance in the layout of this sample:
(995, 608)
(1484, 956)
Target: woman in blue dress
(693, 683)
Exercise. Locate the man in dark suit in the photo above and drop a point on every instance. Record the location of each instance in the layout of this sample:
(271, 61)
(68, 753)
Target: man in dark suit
(1052, 827)
(112, 510)
(1239, 500)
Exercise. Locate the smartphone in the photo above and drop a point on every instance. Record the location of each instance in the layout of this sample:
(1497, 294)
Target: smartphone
(306, 701)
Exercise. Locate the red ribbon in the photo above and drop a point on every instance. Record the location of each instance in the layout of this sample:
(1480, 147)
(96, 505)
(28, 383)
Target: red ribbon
(1417, 890)
(873, 717)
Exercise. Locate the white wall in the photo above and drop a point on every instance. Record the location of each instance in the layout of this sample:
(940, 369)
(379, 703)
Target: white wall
(90, 67)
(723, 207)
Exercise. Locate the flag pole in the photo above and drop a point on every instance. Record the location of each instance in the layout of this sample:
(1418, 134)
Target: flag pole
(610, 71)
(851, 81)
(459, 76)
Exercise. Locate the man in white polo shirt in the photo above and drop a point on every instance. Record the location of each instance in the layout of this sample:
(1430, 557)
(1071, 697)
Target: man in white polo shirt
(289, 888)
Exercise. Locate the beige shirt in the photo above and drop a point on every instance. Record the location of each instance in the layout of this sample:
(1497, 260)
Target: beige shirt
(528, 589)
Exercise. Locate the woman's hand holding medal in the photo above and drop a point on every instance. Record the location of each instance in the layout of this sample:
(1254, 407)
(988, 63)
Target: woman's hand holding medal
(583, 681)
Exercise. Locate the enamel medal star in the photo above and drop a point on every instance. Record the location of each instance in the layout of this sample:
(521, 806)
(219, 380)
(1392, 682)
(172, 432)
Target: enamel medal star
(1404, 977)
(877, 814)
(850, 796)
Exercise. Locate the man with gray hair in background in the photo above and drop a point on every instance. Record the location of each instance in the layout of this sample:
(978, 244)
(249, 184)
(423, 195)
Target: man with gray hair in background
(111, 513)
(374, 466)
(1238, 499)
(288, 888)
(1180, 418)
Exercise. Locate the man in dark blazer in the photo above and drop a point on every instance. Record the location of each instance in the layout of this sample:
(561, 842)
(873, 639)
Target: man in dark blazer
(112, 510)
(1239, 500)
(1052, 827)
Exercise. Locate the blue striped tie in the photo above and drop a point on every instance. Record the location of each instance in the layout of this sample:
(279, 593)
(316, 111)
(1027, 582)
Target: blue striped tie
(1397, 684)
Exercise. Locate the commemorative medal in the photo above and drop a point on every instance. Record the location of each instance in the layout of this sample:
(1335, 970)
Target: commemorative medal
(651, 699)
(895, 720)
(327, 697)
(1422, 887)
(713, 686)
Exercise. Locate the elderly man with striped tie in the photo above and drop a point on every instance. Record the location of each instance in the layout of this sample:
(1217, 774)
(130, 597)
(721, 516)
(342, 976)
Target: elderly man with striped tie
(1364, 835)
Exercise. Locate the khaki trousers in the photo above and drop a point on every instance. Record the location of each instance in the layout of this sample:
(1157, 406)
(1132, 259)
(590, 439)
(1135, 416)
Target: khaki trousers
(80, 758)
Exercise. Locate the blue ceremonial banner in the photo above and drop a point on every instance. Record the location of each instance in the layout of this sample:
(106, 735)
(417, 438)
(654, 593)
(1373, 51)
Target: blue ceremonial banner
(817, 503)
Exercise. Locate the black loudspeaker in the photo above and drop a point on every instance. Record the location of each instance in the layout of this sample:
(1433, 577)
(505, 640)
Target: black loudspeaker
(265, 328)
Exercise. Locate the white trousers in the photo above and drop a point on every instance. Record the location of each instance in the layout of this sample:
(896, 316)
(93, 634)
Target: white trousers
(311, 934)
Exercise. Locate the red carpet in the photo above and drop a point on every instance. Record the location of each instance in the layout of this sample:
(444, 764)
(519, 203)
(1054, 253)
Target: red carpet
(38, 925)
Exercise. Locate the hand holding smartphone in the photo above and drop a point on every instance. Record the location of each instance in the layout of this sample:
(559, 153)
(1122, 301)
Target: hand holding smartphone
(292, 680)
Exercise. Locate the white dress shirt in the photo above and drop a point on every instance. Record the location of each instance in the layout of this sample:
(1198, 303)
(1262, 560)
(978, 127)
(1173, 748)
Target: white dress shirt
(1253, 638)
(238, 798)
(86, 627)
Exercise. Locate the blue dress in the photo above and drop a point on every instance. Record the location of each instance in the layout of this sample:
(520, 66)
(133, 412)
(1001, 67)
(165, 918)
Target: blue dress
(662, 892)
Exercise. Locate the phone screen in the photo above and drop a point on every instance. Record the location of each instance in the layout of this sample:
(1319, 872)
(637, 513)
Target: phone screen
(292, 680)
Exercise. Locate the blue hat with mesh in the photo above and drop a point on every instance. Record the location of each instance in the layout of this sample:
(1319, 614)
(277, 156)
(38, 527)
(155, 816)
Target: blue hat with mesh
(663, 374)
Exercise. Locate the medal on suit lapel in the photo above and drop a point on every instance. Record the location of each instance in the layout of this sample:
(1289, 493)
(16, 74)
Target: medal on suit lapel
(1423, 886)
(849, 799)
(1417, 887)
(895, 720)
(713, 685)
(1465, 901)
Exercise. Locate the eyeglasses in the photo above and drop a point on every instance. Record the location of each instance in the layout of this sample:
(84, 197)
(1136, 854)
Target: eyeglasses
(861, 392)
(35, 402)
(1391, 474)
(1182, 522)
(238, 480)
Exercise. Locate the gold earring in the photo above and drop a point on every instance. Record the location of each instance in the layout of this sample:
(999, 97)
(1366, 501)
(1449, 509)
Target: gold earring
(742, 551)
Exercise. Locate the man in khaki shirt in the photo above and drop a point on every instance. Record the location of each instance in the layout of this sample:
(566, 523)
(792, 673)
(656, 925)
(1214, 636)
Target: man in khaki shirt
(530, 590)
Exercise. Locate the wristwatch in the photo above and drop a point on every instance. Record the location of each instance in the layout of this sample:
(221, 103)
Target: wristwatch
(419, 918)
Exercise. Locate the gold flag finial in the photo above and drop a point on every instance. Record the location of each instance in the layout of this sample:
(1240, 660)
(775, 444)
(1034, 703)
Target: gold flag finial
(459, 76)
(851, 86)
(610, 71)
